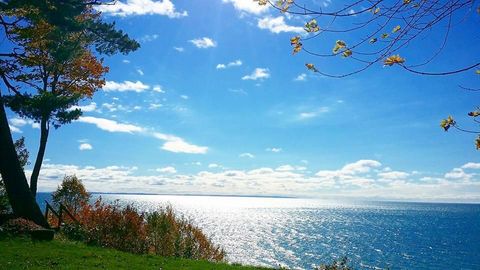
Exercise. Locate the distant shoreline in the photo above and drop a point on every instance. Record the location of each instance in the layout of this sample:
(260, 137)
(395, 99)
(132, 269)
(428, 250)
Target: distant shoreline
(348, 199)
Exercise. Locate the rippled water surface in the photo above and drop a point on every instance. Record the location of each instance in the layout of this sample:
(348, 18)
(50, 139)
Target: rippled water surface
(301, 233)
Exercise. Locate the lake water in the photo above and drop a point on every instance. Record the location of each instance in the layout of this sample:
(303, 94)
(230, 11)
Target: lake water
(302, 233)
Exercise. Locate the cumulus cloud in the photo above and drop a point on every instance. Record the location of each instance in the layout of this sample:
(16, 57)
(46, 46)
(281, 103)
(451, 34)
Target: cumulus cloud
(178, 145)
(471, 165)
(142, 7)
(393, 175)
(158, 88)
(15, 129)
(17, 122)
(168, 169)
(313, 113)
(246, 155)
(137, 86)
(179, 49)
(300, 78)
(246, 6)
(352, 180)
(149, 38)
(278, 25)
(230, 64)
(274, 149)
(85, 146)
(171, 143)
(109, 125)
(203, 43)
(258, 74)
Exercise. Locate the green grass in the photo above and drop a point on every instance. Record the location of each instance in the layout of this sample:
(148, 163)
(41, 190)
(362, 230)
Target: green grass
(22, 253)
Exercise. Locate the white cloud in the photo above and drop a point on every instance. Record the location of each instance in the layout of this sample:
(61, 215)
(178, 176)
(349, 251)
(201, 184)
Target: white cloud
(471, 165)
(110, 125)
(393, 175)
(149, 38)
(213, 165)
(459, 174)
(86, 108)
(85, 146)
(126, 61)
(258, 73)
(203, 43)
(248, 6)
(17, 122)
(137, 86)
(158, 88)
(15, 129)
(140, 72)
(274, 150)
(141, 7)
(246, 155)
(168, 169)
(231, 64)
(278, 25)
(179, 49)
(313, 114)
(154, 106)
(265, 181)
(178, 145)
(172, 143)
(302, 77)
(184, 96)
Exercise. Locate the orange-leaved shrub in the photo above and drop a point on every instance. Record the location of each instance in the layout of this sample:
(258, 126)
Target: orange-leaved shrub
(170, 235)
(125, 228)
(113, 226)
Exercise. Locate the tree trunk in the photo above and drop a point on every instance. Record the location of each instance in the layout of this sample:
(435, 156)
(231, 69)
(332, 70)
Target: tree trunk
(21, 199)
(41, 153)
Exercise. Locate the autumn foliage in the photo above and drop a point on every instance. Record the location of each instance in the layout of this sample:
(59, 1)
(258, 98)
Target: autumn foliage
(125, 228)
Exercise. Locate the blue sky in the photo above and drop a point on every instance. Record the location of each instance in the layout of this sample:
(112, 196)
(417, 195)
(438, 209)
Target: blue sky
(214, 103)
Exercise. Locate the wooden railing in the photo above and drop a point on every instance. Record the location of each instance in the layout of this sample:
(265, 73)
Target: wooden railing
(59, 215)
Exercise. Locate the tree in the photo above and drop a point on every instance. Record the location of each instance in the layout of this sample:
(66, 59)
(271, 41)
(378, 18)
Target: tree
(71, 193)
(65, 35)
(378, 32)
(23, 155)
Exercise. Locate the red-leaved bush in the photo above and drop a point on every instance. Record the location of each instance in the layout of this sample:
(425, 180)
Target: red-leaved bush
(125, 228)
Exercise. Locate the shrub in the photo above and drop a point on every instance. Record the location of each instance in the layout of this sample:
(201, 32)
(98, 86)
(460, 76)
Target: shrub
(125, 228)
(110, 225)
(170, 235)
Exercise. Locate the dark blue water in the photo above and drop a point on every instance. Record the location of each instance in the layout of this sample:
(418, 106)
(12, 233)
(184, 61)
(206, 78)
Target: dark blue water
(302, 233)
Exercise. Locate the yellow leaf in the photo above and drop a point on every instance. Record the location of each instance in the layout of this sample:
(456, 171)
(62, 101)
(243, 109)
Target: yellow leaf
(297, 47)
(294, 40)
(347, 53)
(396, 29)
(339, 45)
(385, 35)
(477, 142)
(376, 10)
(312, 26)
(311, 67)
(394, 59)
(406, 2)
(477, 71)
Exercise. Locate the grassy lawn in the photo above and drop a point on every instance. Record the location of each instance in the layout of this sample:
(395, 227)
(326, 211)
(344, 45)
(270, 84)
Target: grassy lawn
(22, 253)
